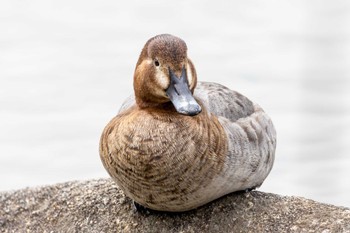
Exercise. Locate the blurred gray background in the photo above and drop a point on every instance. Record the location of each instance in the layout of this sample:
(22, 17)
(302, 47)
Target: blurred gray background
(66, 67)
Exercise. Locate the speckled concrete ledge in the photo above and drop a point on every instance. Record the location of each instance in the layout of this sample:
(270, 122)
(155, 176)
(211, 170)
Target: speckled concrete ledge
(99, 206)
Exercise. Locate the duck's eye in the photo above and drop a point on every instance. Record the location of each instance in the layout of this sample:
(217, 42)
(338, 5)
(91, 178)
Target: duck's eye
(156, 62)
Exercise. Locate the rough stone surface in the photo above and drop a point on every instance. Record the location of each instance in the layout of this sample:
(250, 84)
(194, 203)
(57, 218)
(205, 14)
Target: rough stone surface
(99, 206)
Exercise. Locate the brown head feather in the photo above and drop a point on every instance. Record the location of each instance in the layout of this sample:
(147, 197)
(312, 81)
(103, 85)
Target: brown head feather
(171, 52)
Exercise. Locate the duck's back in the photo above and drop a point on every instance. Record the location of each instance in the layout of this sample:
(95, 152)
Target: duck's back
(223, 102)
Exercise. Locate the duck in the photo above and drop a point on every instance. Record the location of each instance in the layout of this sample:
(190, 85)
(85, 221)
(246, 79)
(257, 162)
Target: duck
(178, 144)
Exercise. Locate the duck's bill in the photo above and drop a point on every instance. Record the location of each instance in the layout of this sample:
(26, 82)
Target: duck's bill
(180, 94)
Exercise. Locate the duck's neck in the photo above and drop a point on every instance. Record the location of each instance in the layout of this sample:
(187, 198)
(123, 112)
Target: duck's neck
(156, 107)
(143, 104)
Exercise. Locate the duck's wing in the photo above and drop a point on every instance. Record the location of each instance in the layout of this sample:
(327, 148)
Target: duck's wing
(250, 133)
(128, 102)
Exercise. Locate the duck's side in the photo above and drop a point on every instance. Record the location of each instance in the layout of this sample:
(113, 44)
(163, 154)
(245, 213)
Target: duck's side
(250, 134)
(171, 162)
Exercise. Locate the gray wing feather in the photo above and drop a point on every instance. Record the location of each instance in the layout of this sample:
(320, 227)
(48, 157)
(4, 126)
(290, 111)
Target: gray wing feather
(221, 101)
(128, 102)
(251, 135)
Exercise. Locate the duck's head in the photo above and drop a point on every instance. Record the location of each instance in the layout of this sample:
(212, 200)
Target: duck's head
(165, 74)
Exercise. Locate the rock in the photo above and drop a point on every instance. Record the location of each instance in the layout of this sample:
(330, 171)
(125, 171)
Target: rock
(100, 206)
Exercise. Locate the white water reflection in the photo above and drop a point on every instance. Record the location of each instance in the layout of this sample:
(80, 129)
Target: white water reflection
(66, 66)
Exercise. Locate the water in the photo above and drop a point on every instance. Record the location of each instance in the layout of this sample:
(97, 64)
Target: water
(66, 66)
